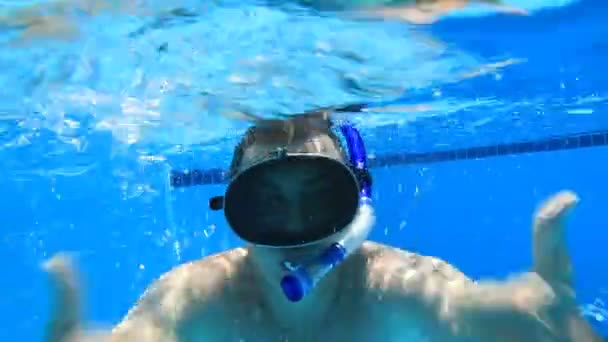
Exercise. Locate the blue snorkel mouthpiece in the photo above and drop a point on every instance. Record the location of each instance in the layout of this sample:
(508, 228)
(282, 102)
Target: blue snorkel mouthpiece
(303, 278)
(299, 282)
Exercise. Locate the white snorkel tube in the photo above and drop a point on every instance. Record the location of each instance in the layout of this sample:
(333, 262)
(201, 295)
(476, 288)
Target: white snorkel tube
(303, 278)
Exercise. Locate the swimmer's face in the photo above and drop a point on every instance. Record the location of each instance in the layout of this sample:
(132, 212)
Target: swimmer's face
(295, 197)
(298, 208)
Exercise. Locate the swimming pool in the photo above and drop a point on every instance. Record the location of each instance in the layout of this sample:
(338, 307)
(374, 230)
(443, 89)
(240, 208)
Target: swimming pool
(90, 125)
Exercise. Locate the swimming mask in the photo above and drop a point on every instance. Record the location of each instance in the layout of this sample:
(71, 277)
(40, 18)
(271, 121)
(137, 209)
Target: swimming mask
(322, 190)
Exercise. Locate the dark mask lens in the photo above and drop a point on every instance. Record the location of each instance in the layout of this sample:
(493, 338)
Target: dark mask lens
(258, 213)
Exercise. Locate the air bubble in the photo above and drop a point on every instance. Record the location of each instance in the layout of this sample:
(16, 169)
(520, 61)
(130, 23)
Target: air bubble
(209, 230)
(402, 225)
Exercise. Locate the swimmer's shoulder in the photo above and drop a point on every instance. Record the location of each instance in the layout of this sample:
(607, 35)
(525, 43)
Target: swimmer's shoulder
(411, 279)
(383, 260)
(408, 290)
(203, 279)
(193, 290)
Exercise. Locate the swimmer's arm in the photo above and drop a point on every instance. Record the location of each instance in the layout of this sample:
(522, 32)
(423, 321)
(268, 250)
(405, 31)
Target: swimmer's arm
(450, 302)
(534, 306)
(513, 310)
(541, 303)
(524, 308)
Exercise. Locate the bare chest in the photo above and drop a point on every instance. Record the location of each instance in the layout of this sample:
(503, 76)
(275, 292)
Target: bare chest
(347, 323)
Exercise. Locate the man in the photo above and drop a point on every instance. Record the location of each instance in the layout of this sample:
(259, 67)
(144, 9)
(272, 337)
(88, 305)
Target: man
(300, 194)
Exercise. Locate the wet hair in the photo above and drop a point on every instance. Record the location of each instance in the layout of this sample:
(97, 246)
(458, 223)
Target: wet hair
(283, 132)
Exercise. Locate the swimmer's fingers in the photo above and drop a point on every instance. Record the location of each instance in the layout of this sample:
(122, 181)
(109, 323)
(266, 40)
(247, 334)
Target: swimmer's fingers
(550, 251)
(555, 209)
(64, 322)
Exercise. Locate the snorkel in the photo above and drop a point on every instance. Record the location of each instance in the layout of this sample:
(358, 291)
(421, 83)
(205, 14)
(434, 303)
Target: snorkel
(303, 278)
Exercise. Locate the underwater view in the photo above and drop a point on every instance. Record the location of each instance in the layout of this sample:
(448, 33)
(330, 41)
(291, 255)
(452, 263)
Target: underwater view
(104, 105)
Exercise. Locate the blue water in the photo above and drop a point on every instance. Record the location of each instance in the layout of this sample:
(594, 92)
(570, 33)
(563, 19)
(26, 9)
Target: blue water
(89, 127)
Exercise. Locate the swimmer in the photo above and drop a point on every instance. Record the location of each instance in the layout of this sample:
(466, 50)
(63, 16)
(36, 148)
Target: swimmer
(300, 194)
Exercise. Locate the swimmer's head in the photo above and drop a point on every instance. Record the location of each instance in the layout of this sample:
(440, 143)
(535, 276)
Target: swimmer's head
(300, 197)
(306, 134)
(291, 184)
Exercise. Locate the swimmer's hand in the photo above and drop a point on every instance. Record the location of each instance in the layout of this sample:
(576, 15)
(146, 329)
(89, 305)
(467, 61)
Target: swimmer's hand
(535, 306)
(65, 319)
